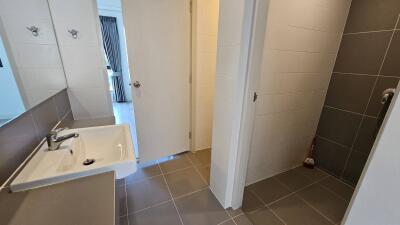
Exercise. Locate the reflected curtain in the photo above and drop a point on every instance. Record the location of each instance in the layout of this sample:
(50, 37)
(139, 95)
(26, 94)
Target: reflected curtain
(109, 31)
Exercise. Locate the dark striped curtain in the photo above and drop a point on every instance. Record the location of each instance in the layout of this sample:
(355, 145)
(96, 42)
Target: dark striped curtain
(111, 46)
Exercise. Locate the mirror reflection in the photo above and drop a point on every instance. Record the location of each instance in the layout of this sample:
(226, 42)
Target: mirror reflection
(31, 68)
(11, 104)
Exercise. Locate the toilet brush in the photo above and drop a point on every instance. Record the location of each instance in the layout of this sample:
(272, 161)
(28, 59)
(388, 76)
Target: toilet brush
(309, 162)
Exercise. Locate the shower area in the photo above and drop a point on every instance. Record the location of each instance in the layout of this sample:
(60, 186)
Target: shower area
(329, 71)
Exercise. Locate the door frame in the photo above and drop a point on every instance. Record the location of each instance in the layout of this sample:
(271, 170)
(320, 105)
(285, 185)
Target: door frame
(253, 34)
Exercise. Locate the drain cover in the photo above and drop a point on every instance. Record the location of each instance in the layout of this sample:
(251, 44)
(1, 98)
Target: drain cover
(88, 162)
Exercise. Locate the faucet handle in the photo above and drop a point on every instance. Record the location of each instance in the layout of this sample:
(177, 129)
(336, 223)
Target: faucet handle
(56, 131)
(60, 129)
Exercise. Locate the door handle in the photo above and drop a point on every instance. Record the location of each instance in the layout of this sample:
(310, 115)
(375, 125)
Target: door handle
(136, 84)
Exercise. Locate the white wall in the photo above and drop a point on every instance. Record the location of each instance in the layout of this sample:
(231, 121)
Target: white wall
(301, 42)
(11, 103)
(83, 58)
(38, 67)
(205, 29)
(376, 199)
(113, 8)
(232, 51)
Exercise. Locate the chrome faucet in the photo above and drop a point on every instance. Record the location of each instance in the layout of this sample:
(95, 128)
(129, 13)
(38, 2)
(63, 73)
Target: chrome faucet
(54, 142)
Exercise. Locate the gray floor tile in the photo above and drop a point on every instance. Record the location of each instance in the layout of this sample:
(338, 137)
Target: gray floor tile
(144, 171)
(294, 211)
(201, 208)
(204, 156)
(293, 180)
(174, 163)
(338, 187)
(242, 220)
(269, 190)
(312, 174)
(250, 201)
(146, 193)
(184, 181)
(121, 200)
(200, 157)
(235, 212)
(325, 202)
(204, 171)
(193, 159)
(263, 217)
(164, 214)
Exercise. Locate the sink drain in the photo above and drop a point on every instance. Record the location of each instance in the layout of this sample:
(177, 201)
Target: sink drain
(88, 162)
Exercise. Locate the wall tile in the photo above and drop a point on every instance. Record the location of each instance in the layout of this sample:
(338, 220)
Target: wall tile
(330, 156)
(362, 53)
(391, 66)
(372, 15)
(62, 103)
(375, 106)
(366, 135)
(355, 167)
(45, 116)
(338, 125)
(342, 94)
(19, 137)
(17, 140)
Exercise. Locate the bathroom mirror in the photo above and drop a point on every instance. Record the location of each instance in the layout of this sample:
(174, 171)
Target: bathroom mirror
(31, 68)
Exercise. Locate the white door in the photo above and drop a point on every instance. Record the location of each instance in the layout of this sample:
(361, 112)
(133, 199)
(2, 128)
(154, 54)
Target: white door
(158, 43)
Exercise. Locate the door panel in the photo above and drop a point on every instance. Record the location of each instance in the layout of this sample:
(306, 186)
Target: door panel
(158, 43)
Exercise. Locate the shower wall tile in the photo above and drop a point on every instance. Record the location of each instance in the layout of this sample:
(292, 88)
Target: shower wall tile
(338, 126)
(383, 83)
(368, 64)
(362, 53)
(19, 137)
(332, 157)
(354, 167)
(366, 135)
(372, 15)
(342, 94)
(391, 67)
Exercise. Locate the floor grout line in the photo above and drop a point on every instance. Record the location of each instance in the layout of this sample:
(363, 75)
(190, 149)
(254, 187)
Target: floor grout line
(334, 193)
(176, 208)
(150, 207)
(142, 179)
(296, 191)
(316, 210)
(266, 206)
(190, 193)
(197, 171)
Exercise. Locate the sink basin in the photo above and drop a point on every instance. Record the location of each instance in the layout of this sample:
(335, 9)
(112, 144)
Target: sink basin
(96, 150)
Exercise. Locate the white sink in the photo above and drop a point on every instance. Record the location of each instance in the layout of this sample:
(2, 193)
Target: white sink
(110, 147)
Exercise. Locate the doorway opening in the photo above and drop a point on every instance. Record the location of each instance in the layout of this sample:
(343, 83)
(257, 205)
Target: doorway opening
(114, 43)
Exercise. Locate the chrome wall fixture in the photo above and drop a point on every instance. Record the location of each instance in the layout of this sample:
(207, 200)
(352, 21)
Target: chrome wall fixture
(74, 33)
(34, 30)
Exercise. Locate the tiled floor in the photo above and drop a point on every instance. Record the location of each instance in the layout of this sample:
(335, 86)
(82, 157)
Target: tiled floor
(174, 191)
(297, 197)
